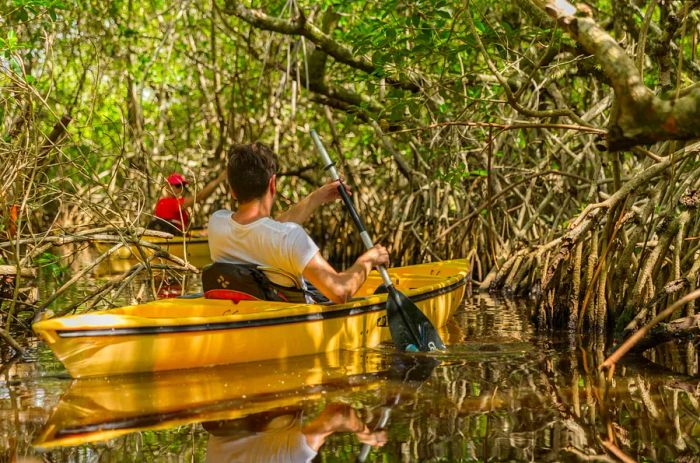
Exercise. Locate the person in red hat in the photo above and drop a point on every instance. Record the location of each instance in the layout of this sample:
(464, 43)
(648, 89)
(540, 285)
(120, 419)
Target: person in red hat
(171, 212)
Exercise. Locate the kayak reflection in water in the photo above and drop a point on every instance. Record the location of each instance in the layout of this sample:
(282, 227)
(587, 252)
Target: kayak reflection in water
(281, 436)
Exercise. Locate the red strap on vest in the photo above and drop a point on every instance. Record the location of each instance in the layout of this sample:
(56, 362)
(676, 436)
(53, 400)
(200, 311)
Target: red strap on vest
(230, 295)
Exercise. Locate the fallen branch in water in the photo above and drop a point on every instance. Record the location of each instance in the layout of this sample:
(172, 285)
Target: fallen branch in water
(615, 450)
(680, 328)
(671, 287)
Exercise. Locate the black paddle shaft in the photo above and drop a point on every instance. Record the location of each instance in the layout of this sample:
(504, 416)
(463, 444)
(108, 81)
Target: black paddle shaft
(366, 240)
(351, 208)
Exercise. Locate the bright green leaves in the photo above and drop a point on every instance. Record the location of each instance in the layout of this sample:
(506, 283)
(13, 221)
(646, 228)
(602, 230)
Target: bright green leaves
(456, 172)
(396, 33)
(445, 14)
(13, 35)
(52, 264)
(28, 9)
(9, 43)
(481, 27)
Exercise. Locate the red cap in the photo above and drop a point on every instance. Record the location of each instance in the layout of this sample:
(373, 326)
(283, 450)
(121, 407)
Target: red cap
(177, 179)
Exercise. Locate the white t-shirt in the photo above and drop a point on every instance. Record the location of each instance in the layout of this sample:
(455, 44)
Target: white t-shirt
(266, 242)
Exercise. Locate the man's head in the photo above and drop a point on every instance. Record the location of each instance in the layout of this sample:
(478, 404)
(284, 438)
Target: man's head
(250, 168)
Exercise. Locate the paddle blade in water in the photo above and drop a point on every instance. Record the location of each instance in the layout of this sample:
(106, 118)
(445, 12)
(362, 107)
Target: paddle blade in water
(410, 329)
(412, 369)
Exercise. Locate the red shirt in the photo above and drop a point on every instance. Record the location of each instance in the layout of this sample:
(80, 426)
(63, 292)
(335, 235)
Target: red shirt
(171, 209)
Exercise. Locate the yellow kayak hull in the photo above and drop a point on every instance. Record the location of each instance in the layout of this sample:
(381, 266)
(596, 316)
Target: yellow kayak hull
(188, 333)
(194, 246)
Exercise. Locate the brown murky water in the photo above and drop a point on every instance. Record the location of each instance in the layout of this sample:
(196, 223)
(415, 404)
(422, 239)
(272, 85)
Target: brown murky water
(500, 393)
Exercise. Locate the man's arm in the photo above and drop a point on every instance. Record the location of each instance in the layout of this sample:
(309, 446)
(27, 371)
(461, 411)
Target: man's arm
(340, 286)
(302, 210)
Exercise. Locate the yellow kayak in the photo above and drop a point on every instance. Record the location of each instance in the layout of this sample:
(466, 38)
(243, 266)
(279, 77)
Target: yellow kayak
(194, 246)
(195, 332)
(95, 409)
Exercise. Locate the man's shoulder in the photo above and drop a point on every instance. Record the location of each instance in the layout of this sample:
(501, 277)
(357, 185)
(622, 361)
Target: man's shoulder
(285, 227)
(218, 218)
(221, 213)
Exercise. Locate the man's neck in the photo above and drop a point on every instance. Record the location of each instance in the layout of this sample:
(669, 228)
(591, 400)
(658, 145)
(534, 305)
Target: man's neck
(251, 211)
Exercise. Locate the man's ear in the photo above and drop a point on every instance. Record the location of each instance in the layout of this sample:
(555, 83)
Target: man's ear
(272, 185)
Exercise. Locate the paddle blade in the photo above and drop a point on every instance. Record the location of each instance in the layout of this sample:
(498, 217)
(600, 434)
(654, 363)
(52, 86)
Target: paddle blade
(410, 328)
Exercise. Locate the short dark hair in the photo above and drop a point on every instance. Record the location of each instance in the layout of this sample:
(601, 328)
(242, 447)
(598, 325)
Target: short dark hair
(250, 168)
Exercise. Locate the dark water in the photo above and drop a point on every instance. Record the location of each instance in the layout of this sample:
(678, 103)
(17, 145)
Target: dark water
(500, 393)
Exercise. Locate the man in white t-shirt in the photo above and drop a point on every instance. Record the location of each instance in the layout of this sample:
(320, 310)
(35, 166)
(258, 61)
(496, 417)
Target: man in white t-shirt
(250, 236)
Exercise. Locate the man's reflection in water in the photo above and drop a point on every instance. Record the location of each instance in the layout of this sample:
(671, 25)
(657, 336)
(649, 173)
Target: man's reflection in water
(280, 436)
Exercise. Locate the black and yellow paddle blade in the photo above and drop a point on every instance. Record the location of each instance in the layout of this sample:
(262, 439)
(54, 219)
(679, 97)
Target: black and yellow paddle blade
(410, 329)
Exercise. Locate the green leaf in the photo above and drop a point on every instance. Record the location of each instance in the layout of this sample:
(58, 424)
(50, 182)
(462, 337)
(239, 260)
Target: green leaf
(14, 65)
(444, 14)
(415, 20)
(379, 58)
(397, 112)
(21, 15)
(414, 107)
(128, 32)
(11, 39)
(390, 35)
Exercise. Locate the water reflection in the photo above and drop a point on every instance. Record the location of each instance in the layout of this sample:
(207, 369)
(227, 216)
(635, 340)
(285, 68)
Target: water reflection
(283, 436)
(500, 393)
(680, 356)
(252, 411)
